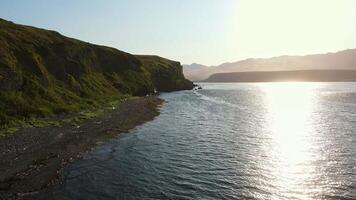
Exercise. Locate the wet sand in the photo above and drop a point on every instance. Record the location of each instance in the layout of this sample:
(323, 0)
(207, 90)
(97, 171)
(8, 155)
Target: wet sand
(33, 159)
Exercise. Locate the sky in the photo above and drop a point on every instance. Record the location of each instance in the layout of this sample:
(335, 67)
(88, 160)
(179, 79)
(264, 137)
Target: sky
(209, 32)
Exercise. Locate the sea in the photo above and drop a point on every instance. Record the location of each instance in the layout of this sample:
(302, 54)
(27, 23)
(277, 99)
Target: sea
(282, 140)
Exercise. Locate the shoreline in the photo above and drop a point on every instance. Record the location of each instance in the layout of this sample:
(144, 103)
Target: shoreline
(33, 159)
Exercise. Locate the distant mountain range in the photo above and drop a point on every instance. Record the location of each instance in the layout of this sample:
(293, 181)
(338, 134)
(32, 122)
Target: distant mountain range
(342, 60)
(323, 75)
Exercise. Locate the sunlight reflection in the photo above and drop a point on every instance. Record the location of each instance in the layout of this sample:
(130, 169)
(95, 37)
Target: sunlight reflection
(289, 108)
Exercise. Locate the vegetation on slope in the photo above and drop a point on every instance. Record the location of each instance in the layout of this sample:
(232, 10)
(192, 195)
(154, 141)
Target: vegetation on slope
(43, 73)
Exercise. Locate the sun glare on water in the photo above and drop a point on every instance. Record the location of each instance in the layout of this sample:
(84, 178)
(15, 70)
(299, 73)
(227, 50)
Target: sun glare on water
(289, 113)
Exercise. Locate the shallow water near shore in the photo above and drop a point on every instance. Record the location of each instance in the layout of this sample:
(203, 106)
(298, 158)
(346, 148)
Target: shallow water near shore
(229, 141)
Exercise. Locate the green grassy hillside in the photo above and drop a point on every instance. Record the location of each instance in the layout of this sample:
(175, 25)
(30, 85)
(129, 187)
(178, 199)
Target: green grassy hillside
(43, 73)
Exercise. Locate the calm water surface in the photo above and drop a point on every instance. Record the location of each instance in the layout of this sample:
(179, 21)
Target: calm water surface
(230, 141)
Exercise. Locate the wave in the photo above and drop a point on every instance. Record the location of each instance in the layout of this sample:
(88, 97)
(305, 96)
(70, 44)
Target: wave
(216, 100)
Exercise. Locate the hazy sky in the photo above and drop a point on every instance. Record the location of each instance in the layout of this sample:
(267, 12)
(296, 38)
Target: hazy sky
(203, 31)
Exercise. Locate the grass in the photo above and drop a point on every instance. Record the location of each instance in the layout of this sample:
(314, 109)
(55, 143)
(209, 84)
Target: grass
(44, 74)
(71, 118)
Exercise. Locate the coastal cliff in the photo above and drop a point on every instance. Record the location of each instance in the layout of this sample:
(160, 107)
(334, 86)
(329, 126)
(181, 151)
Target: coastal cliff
(43, 73)
(65, 96)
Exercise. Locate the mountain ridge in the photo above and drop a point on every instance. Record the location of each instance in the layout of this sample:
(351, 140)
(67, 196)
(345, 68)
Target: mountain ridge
(345, 59)
(321, 75)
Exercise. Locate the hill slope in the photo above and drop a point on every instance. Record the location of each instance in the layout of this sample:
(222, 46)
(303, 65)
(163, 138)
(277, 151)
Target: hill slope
(331, 61)
(192, 70)
(44, 73)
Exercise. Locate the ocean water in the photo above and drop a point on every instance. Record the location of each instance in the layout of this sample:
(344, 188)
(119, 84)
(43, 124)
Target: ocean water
(230, 141)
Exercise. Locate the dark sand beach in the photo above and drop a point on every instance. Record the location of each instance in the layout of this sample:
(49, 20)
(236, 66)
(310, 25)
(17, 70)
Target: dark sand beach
(32, 159)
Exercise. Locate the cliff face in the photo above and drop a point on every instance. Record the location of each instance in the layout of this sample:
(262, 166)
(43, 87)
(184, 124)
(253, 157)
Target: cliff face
(166, 75)
(44, 73)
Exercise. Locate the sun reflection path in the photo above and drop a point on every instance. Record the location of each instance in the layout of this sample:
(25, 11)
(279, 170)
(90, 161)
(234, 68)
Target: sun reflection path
(289, 115)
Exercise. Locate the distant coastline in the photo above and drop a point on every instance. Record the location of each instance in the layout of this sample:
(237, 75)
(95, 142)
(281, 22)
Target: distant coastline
(341, 60)
(279, 76)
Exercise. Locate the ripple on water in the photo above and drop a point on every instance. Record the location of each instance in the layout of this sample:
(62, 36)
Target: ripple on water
(229, 141)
